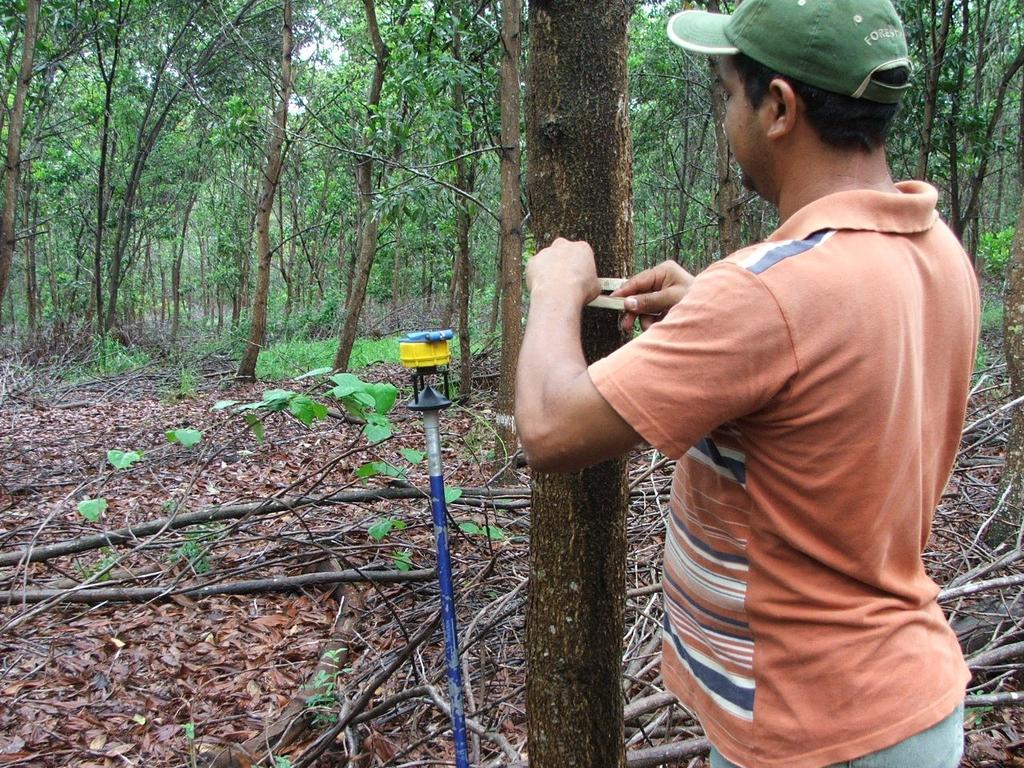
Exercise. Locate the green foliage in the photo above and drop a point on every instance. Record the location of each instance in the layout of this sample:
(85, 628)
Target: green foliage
(995, 249)
(187, 437)
(991, 315)
(99, 569)
(123, 459)
(368, 401)
(383, 526)
(490, 531)
(321, 693)
(452, 494)
(290, 359)
(403, 560)
(91, 509)
(184, 386)
(195, 551)
(108, 357)
(375, 468)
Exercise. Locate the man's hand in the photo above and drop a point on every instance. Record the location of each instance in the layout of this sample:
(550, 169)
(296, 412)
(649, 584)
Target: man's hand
(565, 267)
(652, 293)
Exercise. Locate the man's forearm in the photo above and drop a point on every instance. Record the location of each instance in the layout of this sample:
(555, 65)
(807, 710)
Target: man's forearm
(550, 358)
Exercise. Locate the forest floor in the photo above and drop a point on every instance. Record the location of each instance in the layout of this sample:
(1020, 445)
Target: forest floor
(323, 672)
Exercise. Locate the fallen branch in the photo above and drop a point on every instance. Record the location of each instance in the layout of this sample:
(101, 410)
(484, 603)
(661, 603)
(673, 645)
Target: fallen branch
(996, 655)
(667, 753)
(96, 595)
(232, 512)
(981, 586)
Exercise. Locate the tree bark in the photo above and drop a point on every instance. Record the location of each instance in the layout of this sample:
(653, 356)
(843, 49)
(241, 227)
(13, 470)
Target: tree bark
(728, 186)
(265, 206)
(939, 40)
(579, 181)
(370, 219)
(8, 236)
(511, 236)
(179, 255)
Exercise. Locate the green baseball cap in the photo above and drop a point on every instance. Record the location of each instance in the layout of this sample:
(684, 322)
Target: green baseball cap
(835, 45)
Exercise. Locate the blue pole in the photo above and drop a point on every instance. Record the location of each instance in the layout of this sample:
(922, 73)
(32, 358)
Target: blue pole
(431, 423)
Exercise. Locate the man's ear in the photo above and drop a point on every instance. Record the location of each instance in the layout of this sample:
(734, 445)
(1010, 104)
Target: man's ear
(781, 107)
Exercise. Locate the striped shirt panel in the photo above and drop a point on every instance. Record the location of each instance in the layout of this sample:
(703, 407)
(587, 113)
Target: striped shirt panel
(706, 629)
(769, 254)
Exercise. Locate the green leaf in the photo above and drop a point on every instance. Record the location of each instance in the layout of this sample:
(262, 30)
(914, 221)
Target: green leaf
(384, 396)
(187, 437)
(452, 494)
(255, 425)
(470, 528)
(495, 533)
(91, 509)
(383, 527)
(314, 372)
(306, 409)
(377, 427)
(277, 399)
(347, 384)
(190, 731)
(220, 405)
(123, 459)
(374, 468)
(403, 560)
(413, 456)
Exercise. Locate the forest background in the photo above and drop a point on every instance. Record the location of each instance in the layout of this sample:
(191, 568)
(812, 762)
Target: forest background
(202, 200)
(137, 161)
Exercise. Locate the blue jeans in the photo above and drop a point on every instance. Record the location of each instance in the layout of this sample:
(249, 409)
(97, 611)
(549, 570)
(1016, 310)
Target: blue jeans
(941, 746)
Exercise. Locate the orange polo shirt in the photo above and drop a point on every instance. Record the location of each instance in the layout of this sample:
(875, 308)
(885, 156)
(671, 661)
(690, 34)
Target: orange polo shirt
(813, 388)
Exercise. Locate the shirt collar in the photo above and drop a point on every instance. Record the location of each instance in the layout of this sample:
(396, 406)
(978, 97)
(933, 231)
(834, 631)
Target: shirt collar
(909, 210)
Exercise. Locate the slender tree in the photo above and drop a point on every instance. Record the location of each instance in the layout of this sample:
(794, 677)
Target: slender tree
(265, 206)
(369, 218)
(579, 181)
(510, 241)
(8, 236)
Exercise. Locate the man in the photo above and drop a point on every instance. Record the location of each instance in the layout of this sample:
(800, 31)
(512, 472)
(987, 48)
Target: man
(812, 388)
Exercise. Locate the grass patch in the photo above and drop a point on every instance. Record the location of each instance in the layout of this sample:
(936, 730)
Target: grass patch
(294, 358)
(992, 316)
(108, 357)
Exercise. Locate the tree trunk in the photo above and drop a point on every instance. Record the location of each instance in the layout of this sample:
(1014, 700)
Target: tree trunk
(271, 177)
(370, 218)
(8, 236)
(176, 271)
(511, 235)
(579, 181)
(728, 187)
(29, 225)
(1013, 344)
(939, 40)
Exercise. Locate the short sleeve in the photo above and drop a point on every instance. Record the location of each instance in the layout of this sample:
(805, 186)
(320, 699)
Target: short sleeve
(722, 353)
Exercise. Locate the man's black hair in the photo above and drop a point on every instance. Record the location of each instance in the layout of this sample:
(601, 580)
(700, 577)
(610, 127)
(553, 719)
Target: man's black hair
(840, 121)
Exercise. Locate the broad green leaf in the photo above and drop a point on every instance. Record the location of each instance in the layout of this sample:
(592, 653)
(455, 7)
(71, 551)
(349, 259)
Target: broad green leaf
(452, 495)
(495, 533)
(306, 409)
(91, 509)
(383, 527)
(220, 405)
(123, 459)
(374, 468)
(384, 396)
(403, 560)
(255, 425)
(314, 372)
(470, 528)
(277, 399)
(413, 456)
(377, 427)
(347, 383)
(187, 437)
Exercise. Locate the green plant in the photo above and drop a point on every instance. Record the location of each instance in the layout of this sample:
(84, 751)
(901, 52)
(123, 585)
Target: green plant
(195, 550)
(403, 560)
(322, 696)
(383, 526)
(91, 509)
(492, 532)
(187, 437)
(99, 570)
(991, 315)
(123, 459)
(190, 739)
(994, 249)
(184, 386)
